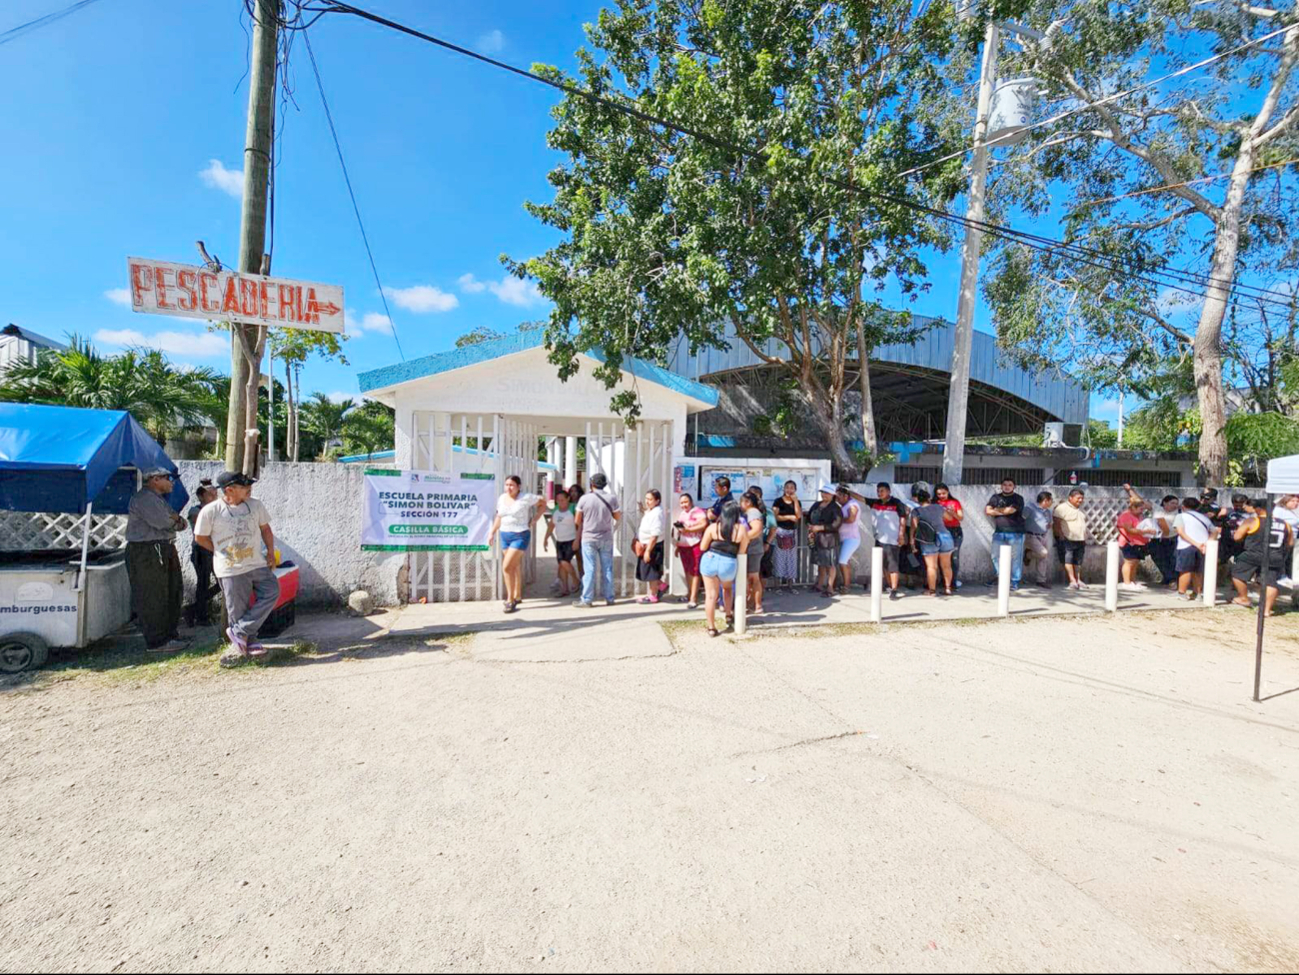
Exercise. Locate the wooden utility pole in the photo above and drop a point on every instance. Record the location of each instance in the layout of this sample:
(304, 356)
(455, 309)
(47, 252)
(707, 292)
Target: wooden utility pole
(247, 341)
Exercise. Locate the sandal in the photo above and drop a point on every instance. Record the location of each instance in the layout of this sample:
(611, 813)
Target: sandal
(948, 591)
(712, 631)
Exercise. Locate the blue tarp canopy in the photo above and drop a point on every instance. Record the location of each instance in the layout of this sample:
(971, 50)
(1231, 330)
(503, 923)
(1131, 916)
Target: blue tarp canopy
(58, 458)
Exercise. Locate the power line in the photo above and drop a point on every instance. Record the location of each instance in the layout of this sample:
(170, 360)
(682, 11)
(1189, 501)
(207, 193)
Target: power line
(1174, 278)
(1102, 101)
(1188, 182)
(329, 117)
(13, 33)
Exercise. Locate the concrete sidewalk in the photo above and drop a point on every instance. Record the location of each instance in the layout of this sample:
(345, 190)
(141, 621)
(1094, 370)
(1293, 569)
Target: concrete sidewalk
(553, 629)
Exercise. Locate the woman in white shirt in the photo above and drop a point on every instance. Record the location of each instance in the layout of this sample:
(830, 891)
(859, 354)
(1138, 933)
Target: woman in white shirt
(649, 545)
(516, 513)
(1193, 533)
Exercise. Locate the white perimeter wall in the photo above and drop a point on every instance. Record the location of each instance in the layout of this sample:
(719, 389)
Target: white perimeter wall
(315, 511)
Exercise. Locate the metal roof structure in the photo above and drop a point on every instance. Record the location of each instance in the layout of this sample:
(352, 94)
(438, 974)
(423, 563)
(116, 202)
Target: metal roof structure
(915, 377)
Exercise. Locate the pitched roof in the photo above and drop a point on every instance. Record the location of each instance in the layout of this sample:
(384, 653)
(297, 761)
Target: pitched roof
(441, 362)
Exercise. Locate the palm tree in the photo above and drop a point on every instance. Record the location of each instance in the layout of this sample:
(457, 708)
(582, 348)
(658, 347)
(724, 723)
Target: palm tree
(162, 398)
(324, 417)
(369, 428)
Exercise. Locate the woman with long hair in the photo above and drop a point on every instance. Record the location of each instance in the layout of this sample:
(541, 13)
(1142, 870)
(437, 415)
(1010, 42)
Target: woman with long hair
(789, 515)
(954, 514)
(755, 515)
(516, 513)
(690, 524)
(933, 542)
(723, 540)
(649, 545)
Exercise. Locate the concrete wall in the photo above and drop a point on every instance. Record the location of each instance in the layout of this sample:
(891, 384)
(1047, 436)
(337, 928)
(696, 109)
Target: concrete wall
(1101, 507)
(316, 514)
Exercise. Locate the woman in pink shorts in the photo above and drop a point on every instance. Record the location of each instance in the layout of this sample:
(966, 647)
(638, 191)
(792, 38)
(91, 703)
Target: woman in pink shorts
(690, 524)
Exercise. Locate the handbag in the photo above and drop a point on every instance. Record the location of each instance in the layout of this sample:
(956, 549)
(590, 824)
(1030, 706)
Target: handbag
(638, 547)
(785, 540)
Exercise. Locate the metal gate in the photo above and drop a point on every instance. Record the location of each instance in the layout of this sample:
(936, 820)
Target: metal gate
(482, 443)
(634, 459)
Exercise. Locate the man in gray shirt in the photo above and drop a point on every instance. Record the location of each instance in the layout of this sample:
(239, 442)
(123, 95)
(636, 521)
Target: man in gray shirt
(1037, 538)
(597, 517)
(157, 588)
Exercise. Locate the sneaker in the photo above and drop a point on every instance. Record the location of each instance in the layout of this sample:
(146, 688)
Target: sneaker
(1014, 587)
(1083, 585)
(957, 583)
(582, 604)
(608, 602)
(1285, 581)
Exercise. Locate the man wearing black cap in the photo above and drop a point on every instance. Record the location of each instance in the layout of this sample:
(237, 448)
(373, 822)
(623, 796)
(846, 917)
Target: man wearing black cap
(157, 588)
(236, 529)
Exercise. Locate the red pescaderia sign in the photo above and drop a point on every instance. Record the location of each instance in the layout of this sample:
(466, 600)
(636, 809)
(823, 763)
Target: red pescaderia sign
(161, 288)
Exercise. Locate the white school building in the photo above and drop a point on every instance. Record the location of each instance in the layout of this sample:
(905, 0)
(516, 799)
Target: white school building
(504, 399)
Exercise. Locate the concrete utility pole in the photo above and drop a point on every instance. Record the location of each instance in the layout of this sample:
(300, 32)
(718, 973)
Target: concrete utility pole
(976, 210)
(245, 341)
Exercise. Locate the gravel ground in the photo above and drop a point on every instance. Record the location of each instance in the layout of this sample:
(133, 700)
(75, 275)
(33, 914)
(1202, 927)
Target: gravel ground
(1052, 794)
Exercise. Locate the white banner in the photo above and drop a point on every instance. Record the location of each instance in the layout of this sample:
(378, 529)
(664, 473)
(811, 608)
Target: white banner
(162, 288)
(423, 511)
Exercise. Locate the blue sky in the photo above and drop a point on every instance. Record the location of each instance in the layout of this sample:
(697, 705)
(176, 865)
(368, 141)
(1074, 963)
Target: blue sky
(125, 126)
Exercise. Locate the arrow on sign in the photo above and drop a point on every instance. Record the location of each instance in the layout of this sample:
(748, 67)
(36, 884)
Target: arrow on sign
(329, 308)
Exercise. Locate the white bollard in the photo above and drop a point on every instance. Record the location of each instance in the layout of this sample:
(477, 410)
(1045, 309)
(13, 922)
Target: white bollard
(1004, 559)
(1210, 572)
(1112, 577)
(741, 593)
(1294, 565)
(877, 584)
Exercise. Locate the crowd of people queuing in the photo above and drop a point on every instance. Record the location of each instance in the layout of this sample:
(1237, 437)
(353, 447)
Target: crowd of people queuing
(920, 538)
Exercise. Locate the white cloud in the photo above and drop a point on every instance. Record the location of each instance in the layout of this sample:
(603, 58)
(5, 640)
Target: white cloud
(422, 298)
(200, 344)
(338, 396)
(515, 291)
(491, 42)
(119, 296)
(226, 180)
(511, 290)
(357, 324)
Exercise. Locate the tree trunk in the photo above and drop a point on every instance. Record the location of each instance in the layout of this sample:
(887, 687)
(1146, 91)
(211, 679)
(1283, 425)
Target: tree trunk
(829, 417)
(1208, 334)
(869, 437)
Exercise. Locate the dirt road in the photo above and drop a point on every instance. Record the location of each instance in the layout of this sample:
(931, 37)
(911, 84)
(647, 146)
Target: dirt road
(1071, 795)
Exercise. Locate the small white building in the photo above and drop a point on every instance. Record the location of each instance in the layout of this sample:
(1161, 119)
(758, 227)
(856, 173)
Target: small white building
(504, 399)
(21, 346)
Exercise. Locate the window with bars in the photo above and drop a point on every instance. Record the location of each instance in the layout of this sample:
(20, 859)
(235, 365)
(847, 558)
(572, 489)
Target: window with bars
(1117, 478)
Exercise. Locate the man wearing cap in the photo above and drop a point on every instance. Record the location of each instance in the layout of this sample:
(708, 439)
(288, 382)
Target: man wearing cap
(236, 529)
(157, 588)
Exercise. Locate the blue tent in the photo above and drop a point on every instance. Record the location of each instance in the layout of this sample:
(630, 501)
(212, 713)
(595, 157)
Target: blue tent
(58, 458)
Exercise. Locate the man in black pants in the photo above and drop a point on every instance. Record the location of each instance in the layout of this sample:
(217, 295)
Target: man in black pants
(197, 613)
(152, 565)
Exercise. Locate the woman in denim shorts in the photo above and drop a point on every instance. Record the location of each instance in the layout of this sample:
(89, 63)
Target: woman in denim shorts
(724, 539)
(933, 541)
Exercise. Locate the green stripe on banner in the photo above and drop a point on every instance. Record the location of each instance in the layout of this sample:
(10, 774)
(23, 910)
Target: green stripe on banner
(425, 548)
(383, 473)
(478, 477)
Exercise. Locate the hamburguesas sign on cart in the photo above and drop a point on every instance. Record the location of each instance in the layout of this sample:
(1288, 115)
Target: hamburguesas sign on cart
(423, 511)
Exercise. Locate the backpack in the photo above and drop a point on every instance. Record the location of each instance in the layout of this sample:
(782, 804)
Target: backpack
(926, 534)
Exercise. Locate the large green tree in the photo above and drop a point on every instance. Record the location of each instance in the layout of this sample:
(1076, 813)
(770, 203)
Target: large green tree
(1195, 171)
(163, 398)
(775, 220)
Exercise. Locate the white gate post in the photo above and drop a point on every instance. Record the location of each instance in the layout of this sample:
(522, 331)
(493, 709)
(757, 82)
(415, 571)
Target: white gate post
(1112, 576)
(1210, 572)
(877, 584)
(1004, 559)
(741, 593)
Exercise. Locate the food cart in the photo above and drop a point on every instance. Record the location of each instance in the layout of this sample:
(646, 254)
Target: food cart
(63, 582)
